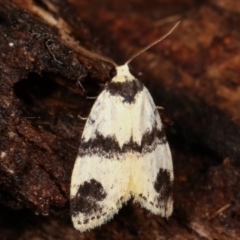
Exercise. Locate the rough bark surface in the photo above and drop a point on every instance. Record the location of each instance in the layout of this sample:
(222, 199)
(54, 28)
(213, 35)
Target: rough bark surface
(193, 74)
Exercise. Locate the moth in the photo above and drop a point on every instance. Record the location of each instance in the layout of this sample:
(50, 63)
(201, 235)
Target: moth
(123, 154)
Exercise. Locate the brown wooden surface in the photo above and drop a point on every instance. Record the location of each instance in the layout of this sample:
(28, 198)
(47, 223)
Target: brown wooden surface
(193, 74)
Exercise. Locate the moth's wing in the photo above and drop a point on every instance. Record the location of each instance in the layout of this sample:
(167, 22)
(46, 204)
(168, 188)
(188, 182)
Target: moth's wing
(100, 178)
(152, 169)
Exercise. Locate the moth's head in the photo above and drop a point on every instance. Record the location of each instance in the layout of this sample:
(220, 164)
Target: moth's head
(122, 70)
(121, 74)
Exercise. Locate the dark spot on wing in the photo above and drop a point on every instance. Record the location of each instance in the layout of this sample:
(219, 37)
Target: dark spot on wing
(91, 121)
(143, 197)
(151, 136)
(127, 89)
(163, 185)
(87, 199)
(86, 221)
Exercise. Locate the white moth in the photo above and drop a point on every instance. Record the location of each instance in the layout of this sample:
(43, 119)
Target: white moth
(123, 153)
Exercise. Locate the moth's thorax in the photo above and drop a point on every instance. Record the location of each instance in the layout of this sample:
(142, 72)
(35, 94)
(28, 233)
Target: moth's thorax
(123, 74)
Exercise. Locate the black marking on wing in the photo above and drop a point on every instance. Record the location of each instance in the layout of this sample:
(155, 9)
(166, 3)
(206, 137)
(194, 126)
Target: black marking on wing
(119, 201)
(143, 197)
(91, 121)
(127, 89)
(163, 185)
(87, 199)
(109, 147)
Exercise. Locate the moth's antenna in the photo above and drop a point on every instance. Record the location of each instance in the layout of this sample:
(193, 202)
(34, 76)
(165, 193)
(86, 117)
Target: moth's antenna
(152, 44)
(98, 56)
(106, 59)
